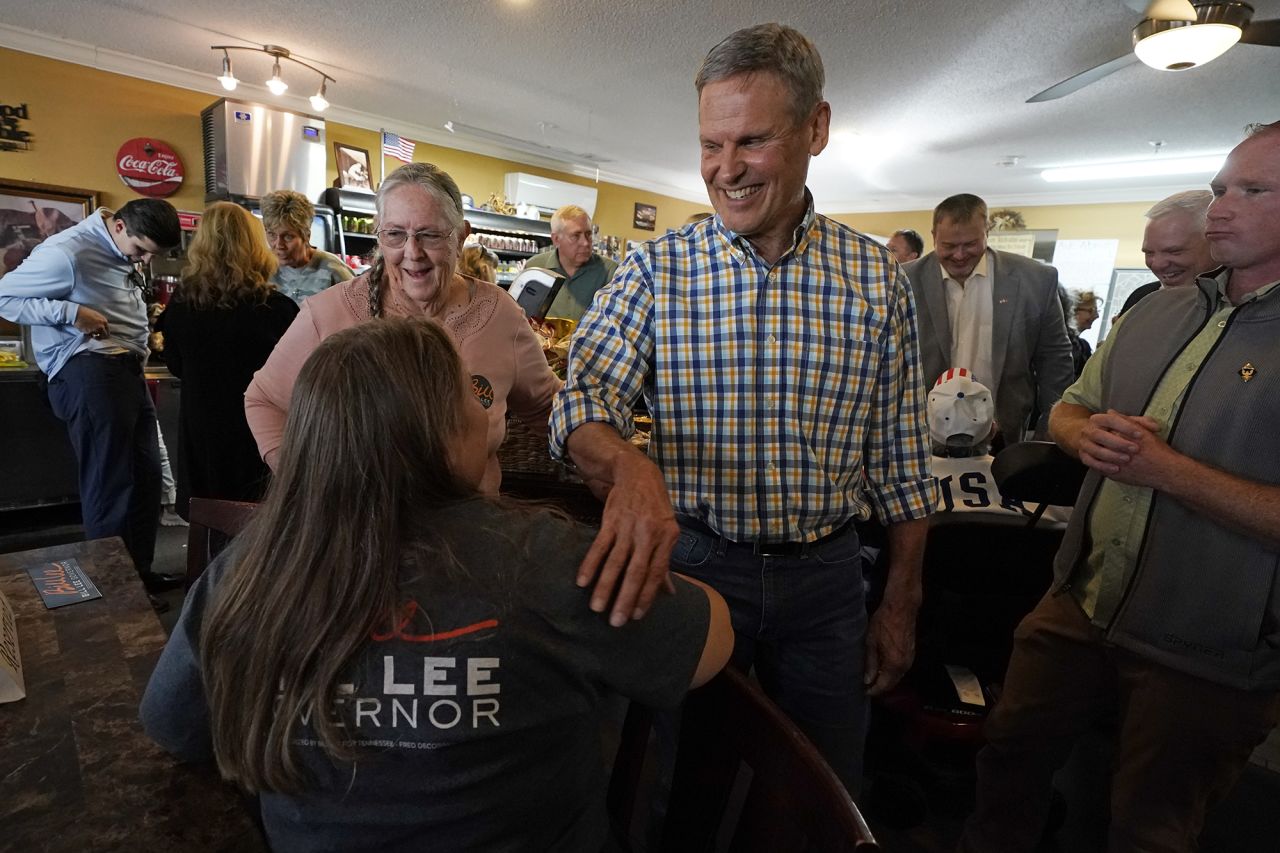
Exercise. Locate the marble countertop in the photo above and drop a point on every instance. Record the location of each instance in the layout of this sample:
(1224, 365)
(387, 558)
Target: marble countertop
(76, 771)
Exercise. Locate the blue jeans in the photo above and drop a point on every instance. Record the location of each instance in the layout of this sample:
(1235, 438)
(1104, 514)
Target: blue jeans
(801, 621)
(111, 421)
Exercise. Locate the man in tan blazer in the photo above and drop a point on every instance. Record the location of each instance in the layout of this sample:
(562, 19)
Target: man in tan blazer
(994, 313)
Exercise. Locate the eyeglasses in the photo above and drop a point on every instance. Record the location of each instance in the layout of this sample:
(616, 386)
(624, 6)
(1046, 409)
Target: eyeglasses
(135, 278)
(395, 238)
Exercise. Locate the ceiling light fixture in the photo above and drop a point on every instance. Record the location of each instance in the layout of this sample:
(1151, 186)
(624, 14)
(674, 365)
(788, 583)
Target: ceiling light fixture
(1205, 165)
(319, 102)
(227, 79)
(276, 84)
(1179, 45)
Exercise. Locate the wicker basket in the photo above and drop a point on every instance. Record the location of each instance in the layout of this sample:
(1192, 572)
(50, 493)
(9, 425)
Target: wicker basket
(525, 452)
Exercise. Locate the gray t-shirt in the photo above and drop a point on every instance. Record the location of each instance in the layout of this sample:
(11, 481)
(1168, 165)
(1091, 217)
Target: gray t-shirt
(478, 709)
(323, 270)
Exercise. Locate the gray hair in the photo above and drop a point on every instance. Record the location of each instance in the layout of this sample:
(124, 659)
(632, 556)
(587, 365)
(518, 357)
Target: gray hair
(772, 49)
(1193, 203)
(564, 214)
(1258, 128)
(429, 177)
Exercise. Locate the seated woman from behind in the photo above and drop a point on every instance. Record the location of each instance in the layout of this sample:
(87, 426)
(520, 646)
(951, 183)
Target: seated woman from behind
(394, 662)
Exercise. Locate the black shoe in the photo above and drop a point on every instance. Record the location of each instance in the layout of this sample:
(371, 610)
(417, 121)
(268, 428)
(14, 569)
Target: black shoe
(159, 605)
(157, 582)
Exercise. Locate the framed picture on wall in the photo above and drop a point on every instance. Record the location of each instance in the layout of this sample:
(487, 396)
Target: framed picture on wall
(30, 214)
(646, 217)
(353, 167)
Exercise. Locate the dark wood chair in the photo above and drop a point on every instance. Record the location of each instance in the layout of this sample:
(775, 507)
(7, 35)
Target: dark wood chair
(213, 523)
(794, 801)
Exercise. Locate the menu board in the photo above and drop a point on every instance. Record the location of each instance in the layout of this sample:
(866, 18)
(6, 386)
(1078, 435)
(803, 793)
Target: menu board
(11, 685)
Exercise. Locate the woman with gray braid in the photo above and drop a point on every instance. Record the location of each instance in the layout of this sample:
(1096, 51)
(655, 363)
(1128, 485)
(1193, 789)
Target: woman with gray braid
(420, 231)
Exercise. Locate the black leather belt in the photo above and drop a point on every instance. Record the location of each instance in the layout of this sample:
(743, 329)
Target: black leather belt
(764, 547)
(128, 357)
(129, 354)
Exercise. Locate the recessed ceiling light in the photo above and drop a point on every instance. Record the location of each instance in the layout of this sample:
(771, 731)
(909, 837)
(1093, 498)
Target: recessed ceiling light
(1205, 165)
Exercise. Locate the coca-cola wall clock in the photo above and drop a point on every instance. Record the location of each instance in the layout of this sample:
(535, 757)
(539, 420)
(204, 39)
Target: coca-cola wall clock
(149, 167)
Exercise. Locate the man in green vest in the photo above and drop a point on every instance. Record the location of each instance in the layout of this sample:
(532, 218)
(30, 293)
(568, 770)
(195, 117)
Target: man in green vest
(571, 254)
(1164, 615)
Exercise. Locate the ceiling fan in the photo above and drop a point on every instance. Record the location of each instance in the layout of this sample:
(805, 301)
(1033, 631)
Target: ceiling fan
(1175, 35)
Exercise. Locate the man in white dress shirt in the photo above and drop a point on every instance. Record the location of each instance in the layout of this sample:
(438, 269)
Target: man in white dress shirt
(996, 313)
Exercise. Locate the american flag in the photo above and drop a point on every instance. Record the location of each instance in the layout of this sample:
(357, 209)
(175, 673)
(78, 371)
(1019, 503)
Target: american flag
(397, 147)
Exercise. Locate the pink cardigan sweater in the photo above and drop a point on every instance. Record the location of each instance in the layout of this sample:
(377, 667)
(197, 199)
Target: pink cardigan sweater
(498, 349)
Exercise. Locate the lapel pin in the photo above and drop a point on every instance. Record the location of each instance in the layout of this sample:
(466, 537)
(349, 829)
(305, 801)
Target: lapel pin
(1246, 372)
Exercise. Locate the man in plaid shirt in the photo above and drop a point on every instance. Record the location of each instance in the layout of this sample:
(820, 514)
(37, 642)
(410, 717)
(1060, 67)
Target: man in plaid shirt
(776, 350)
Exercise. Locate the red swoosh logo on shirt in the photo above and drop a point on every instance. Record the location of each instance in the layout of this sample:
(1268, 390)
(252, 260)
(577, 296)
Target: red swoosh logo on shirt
(406, 617)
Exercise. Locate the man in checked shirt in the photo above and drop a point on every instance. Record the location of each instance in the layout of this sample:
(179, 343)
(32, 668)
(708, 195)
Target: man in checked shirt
(776, 350)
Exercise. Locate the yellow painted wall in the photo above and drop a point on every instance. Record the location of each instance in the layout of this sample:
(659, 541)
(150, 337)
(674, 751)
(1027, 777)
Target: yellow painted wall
(1123, 222)
(80, 116)
(479, 176)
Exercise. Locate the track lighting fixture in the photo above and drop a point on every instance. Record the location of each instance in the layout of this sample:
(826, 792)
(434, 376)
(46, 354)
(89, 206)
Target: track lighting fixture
(276, 84)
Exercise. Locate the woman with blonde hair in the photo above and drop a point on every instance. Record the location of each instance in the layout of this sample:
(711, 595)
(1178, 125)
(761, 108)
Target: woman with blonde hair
(479, 262)
(394, 662)
(304, 270)
(221, 324)
(421, 232)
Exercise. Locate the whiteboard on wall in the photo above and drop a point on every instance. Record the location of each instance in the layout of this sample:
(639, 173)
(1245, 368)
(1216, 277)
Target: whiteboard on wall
(1086, 264)
(1124, 281)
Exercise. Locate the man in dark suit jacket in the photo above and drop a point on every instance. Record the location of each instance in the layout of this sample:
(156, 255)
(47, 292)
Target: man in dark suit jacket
(995, 313)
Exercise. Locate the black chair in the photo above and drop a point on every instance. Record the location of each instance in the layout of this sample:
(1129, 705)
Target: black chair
(213, 523)
(794, 801)
(1038, 472)
(982, 575)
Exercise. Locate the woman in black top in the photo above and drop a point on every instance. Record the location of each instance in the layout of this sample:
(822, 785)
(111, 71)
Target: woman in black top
(223, 322)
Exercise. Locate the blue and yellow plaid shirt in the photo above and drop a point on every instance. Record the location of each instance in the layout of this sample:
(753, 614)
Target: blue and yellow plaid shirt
(786, 399)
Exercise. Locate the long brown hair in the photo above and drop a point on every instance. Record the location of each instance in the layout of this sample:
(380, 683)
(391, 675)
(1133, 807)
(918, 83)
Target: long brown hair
(365, 455)
(228, 261)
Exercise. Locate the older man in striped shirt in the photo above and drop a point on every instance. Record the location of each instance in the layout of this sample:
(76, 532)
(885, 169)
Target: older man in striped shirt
(776, 350)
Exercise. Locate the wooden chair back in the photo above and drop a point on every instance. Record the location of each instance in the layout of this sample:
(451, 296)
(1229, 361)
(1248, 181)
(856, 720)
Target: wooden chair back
(794, 801)
(212, 525)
